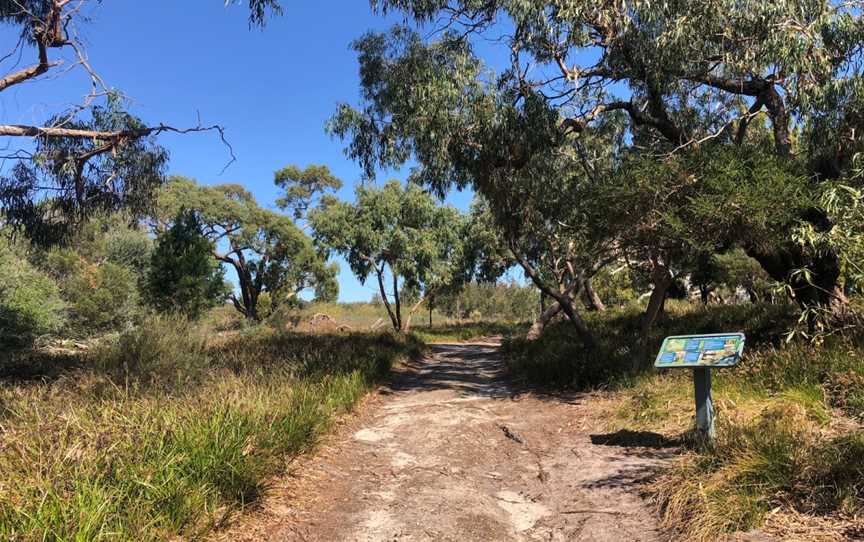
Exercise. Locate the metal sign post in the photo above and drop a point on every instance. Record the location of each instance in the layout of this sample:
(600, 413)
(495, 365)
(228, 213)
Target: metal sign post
(704, 404)
(701, 353)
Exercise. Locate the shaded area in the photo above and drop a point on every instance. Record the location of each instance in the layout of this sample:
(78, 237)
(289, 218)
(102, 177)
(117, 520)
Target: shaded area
(627, 438)
(469, 369)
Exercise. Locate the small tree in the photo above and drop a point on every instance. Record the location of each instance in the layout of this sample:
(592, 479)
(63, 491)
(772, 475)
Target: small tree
(183, 276)
(397, 230)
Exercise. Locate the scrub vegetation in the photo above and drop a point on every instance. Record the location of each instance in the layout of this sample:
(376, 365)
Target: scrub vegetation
(163, 432)
(638, 169)
(788, 417)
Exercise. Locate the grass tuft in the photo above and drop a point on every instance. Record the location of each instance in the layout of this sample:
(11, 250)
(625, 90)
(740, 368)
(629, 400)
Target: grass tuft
(158, 434)
(787, 438)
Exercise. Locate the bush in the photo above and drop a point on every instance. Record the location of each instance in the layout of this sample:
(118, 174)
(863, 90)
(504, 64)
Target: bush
(101, 297)
(164, 350)
(557, 358)
(183, 276)
(30, 303)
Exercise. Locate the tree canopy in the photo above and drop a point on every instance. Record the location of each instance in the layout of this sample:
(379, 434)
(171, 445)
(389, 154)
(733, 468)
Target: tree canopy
(268, 252)
(645, 132)
(395, 229)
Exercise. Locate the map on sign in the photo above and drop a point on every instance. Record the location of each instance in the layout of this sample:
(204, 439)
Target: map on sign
(718, 350)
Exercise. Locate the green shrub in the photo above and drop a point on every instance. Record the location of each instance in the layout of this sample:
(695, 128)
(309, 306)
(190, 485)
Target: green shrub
(163, 350)
(101, 297)
(129, 248)
(30, 303)
(557, 358)
(183, 276)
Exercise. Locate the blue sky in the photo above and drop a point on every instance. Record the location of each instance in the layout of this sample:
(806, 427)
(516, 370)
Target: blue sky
(272, 89)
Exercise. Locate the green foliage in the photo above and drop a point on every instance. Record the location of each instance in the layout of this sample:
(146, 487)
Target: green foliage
(30, 302)
(615, 285)
(101, 297)
(557, 359)
(402, 229)
(508, 302)
(183, 276)
(154, 450)
(116, 238)
(302, 186)
(266, 250)
(124, 179)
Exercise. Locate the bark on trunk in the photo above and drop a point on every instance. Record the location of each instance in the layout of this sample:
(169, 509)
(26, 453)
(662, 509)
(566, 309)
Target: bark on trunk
(542, 321)
(407, 326)
(822, 292)
(662, 279)
(396, 302)
(379, 273)
(593, 300)
(564, 299)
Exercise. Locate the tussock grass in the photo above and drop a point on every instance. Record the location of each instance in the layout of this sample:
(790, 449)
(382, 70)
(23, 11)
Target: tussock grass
(136, 446)
(787, 438)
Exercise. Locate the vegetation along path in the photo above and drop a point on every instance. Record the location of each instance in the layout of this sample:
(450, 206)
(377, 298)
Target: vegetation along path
(451, 451)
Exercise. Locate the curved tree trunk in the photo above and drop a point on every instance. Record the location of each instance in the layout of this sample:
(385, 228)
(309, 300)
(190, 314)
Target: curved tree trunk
(407, 324)
(543, 320)
(593, 301)
(822, 292)
(565, 299)
(662, 279)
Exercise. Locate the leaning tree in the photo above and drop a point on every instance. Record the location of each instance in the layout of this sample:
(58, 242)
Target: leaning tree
(684, 75)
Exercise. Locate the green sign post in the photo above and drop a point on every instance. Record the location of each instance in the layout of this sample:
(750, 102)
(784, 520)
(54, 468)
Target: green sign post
(701, 353)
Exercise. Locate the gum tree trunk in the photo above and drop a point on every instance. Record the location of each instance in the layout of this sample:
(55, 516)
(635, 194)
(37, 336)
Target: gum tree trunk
(593, 301)
(662, 279)
(543, 320)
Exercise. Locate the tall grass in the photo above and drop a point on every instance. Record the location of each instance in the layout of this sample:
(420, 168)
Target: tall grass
(787, 430)
(135, 447)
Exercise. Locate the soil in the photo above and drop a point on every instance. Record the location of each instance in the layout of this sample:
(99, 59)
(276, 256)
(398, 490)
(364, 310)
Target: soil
(450, 450)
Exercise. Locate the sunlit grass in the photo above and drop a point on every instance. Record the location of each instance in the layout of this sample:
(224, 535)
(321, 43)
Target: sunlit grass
(776, 446)
(135, 447)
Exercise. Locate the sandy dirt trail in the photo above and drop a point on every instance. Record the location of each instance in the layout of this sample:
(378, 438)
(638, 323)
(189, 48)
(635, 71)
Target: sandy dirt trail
(449, 451)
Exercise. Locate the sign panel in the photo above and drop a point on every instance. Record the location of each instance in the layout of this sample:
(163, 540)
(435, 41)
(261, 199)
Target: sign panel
(717, 350)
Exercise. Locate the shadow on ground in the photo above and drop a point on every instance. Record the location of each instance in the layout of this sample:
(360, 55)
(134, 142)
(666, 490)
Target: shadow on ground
(469, 369)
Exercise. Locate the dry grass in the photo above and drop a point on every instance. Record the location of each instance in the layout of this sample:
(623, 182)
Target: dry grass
(159, 434)
(788, 421)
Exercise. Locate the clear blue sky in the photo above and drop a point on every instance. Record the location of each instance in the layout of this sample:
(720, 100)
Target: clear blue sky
(272, 89)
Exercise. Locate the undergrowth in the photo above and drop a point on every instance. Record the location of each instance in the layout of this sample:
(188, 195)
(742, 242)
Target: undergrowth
(788, 415)
(158, 435)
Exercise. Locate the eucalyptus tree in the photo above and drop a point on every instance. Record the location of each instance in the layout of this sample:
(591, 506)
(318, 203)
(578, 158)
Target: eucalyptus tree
(90, 156)
(683, 74)
(395, 230)
(267, 251)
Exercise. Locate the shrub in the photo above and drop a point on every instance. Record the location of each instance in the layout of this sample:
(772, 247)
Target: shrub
(130, 248)
(30, 303)
(183, 276)
(164, 350)
(101, 297)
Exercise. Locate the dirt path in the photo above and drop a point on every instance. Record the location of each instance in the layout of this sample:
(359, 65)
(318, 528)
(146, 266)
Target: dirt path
(450, 452)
